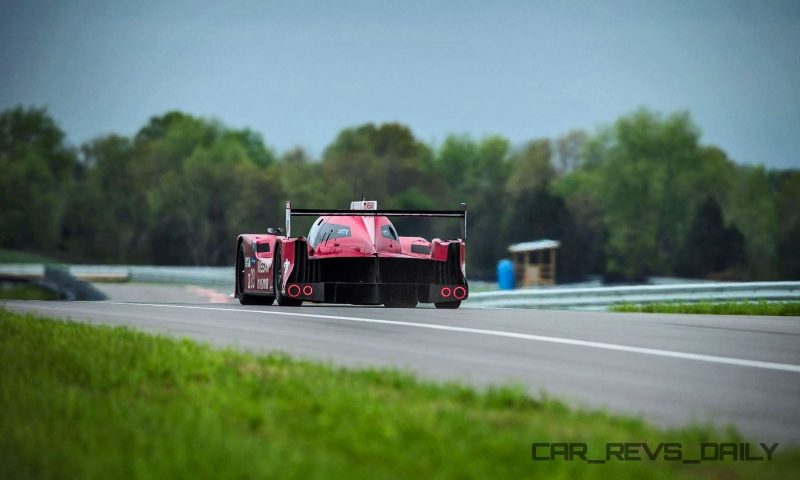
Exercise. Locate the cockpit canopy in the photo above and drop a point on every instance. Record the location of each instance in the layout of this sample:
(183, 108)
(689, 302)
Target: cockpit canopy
(322, 231)
(331, 228)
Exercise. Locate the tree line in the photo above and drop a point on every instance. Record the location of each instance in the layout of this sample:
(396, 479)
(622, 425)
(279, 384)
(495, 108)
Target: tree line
(640, 197)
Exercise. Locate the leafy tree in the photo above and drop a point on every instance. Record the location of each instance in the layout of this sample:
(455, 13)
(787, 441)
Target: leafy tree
(457, 160)
(643, 166)
(387, 160)
(492, 168)
(199, 173)
(641, 197)
(531, 168)
(258, 201)
(486, 198)
(301, 178)
(710, 246)
(583, 251)
(787, 201)
(569, 150)
(101, 215)
(752, 208)
(37, 169)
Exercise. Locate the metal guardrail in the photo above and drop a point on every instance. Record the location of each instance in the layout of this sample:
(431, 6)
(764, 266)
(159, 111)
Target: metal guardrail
(194, 275)
(601, 297)
(133, 273)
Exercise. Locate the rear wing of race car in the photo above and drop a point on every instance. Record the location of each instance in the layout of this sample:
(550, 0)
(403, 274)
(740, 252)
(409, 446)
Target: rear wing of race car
(370, 212)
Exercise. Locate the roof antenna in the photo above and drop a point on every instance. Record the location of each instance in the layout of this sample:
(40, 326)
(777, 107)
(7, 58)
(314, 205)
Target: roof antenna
(355, 182)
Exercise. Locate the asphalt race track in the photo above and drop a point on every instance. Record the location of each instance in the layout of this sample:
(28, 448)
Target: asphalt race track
(671, 369)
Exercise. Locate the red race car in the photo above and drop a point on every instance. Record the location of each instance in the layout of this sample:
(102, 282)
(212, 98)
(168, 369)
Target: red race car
(352, 256)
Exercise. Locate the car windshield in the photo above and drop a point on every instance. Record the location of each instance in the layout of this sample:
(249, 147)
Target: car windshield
(330, 231)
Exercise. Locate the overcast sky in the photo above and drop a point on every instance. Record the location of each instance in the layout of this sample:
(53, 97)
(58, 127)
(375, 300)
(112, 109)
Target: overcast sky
(298, 71)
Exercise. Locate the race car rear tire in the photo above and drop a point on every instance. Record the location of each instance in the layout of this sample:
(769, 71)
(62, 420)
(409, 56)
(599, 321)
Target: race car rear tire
(277, 269)
(447, 304)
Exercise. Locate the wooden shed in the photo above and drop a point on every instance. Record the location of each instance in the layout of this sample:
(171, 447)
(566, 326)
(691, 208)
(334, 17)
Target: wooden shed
(535, 262)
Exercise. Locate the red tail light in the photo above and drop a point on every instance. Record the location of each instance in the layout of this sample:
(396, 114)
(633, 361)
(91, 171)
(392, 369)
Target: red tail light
(459, 292)
(308, 290)
(293, 290)
(445, 292)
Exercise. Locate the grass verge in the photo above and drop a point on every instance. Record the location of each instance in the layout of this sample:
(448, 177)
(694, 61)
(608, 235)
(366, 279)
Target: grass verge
(16, 256)
(27, 292)
(81, 401)
(722, 308)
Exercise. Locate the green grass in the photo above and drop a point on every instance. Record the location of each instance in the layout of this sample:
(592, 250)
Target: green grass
(16, 256)
(27, 292)
(724, 308)
(80, 401)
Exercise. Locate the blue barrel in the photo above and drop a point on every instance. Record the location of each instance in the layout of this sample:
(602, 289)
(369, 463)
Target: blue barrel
(505, 274)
